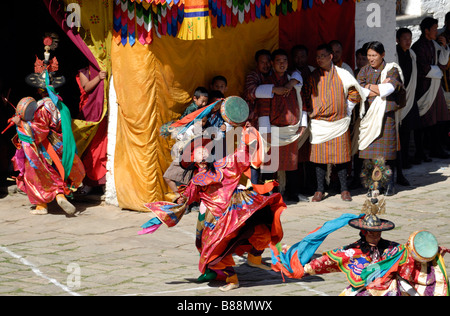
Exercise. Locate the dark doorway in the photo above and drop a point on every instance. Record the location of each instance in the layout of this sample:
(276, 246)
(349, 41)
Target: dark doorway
(23, 25)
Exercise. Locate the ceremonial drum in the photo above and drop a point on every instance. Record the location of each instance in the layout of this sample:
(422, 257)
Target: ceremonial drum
(26, 108)
(423, 246)
(234, 111)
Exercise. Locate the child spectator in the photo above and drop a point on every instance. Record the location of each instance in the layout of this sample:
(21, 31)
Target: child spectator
(219, 83)
(199, 100)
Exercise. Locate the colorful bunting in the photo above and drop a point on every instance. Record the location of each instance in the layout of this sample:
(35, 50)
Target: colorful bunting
(124, 20)
(193, 19)
(131, 23)
(117, 22)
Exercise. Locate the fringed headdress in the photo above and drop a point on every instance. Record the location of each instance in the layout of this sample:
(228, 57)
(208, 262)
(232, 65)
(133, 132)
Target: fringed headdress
(38, 78)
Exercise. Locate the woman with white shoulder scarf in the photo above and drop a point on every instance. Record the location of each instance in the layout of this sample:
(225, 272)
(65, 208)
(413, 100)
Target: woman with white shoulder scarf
(378, 136)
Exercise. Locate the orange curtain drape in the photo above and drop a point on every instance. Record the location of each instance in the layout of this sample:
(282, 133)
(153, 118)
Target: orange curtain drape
(154, 83)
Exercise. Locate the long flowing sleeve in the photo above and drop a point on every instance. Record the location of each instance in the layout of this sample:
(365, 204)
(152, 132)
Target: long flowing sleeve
(40, 124)
(242, 158)
(190, 192)
(321, 265)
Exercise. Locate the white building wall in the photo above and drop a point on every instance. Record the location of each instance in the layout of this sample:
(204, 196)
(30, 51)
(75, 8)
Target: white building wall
(375, 20)
(412, 7)
(436, 8)
(414, 11)
(110, 187)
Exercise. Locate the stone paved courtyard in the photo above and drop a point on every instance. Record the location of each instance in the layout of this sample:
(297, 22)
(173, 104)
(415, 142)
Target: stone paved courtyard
(99, 252)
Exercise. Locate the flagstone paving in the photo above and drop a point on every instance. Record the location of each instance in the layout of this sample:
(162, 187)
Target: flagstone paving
(99, 252)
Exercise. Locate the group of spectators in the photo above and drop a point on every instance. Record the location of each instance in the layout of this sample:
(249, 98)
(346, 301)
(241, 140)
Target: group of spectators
(339, 117)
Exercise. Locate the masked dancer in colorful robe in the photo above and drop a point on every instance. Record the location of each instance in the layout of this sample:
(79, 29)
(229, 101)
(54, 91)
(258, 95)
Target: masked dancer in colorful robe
(373, 266)
(231, 218)
(46, 158)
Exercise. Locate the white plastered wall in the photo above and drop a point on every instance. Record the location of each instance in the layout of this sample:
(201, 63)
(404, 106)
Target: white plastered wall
(376, 21)
(110, 188)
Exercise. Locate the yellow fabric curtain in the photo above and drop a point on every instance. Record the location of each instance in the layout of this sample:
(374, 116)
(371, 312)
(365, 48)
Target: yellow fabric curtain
(96, 19)
(154, 83)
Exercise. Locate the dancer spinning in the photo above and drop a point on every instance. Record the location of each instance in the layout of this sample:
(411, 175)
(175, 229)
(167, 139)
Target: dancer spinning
(231, 219)
(373, 266)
